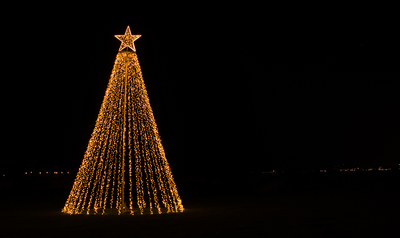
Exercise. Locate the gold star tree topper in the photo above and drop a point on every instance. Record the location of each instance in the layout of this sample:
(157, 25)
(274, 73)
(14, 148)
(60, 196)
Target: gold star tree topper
(127, 40)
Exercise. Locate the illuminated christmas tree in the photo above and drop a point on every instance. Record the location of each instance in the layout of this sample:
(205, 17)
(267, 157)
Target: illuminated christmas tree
(124, 169)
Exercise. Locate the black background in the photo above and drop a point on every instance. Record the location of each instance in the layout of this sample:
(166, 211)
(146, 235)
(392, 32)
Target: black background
(249, 88)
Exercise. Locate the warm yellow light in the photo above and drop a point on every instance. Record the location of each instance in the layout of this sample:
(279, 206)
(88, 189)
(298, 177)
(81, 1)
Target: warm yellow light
(124, 167)
(127, 40)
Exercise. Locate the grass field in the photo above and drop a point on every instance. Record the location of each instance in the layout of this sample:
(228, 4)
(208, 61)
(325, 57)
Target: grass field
(335, 211)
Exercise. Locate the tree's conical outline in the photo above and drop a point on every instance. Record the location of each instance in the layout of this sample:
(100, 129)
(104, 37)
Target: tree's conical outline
(125, 137)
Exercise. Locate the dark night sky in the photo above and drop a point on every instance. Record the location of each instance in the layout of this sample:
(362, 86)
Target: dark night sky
(244, 88)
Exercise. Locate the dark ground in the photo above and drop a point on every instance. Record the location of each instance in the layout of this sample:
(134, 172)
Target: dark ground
(275, 205)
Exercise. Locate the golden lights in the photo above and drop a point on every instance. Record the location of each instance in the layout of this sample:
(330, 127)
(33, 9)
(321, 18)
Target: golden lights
(127, 40)
(124, 169)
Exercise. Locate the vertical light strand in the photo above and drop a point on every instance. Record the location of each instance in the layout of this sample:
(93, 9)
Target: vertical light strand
(107, 173)
(99, 181)
(116, 75)
(124, 132)
(150, 159)
(150, 169)
(103, 173)
(94, 155)
(136, 146)
(140, 159)
(158, 169)
(143, 150)
(83, 178)
(112, 147)
(168, 176)
(121, 174)
(81, 181)
(146, 138)
(144, 156)
(129, 118)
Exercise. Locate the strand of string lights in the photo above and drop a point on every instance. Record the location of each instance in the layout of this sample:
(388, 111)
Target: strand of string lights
(124, 169)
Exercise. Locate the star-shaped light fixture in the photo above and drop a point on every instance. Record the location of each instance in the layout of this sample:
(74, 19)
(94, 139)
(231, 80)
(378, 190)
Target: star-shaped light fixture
(127, 40)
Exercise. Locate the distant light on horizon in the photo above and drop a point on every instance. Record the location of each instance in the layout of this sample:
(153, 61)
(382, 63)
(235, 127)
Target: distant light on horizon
(47, 172)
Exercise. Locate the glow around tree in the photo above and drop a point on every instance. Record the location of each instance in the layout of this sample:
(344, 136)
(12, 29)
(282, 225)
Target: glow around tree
(124, 169)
